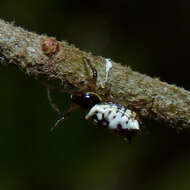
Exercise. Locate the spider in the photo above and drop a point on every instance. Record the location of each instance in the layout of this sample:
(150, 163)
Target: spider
(110, 115)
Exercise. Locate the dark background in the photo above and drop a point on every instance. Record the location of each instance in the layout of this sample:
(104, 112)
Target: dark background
(153, 37)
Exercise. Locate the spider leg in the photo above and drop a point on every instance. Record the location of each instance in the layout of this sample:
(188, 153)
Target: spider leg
(65, 115)
(53, 105)
(107, 88)
(94, 74)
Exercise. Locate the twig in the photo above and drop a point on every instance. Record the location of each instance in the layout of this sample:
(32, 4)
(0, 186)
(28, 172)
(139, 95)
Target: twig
(60, 65)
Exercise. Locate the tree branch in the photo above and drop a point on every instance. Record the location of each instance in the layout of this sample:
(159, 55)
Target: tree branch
(60, 65)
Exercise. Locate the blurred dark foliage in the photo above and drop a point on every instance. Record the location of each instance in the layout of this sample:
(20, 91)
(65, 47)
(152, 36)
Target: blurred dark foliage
(150, 36)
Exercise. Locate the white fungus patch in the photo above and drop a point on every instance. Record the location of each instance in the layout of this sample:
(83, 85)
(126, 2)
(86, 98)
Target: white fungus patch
(108, 67)
(116, 116)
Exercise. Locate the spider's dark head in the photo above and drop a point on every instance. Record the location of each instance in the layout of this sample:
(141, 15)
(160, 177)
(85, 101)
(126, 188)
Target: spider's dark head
(86, 100)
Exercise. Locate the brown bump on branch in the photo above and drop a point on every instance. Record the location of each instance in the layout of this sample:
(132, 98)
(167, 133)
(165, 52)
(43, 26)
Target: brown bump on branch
(50, 46)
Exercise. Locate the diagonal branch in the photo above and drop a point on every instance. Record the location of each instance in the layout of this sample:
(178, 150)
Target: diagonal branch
(61, 66)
